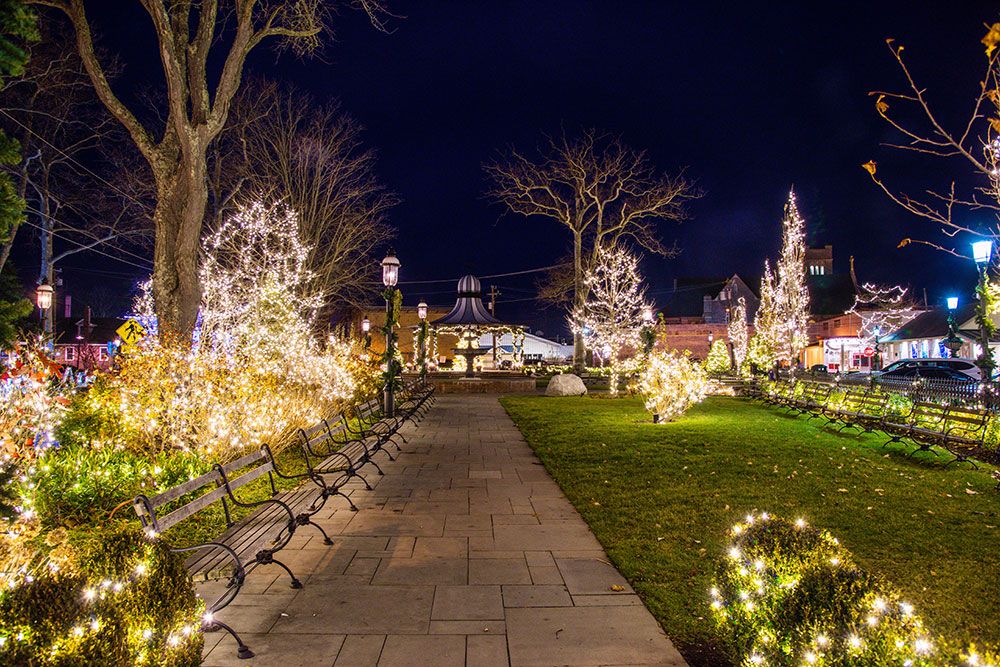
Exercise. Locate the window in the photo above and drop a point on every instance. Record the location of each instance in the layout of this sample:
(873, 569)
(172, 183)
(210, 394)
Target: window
(70, 354)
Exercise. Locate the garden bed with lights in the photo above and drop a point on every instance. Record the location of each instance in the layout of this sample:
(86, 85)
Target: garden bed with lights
(663, 498)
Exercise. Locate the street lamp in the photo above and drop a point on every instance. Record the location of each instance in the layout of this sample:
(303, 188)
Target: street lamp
(647, 333)
(366, 327)
(422, 314)
(390, 276)
(982, 252)
(647, 315)
(953, 343)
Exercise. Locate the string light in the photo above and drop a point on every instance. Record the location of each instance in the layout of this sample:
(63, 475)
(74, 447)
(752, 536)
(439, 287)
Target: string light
(672, 383)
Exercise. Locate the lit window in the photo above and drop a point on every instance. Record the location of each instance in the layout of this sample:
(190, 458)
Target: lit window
(70, 354)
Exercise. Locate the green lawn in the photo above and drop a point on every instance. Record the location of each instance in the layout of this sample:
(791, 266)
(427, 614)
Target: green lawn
(659, 498)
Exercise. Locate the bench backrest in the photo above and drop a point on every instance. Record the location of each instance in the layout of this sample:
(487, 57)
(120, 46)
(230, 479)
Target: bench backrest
(260, 463)
(928, 415)
(970, 422)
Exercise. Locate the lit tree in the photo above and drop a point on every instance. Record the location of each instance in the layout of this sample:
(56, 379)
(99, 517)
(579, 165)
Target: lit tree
(672, 383)
(190, 36)
(612, 313)
(761, 350)
(792, 295)
(602, 191)
(882, 308)
(738, 333)
(718, 361)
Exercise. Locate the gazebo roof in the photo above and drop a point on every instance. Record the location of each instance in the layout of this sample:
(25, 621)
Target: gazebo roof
(469, 309)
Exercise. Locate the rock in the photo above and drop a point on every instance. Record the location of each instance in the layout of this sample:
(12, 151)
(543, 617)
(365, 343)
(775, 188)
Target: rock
(566, 384)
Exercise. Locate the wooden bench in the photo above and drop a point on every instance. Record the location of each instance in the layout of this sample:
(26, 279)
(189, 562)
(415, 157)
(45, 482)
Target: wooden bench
(245, 545)
(924, 426)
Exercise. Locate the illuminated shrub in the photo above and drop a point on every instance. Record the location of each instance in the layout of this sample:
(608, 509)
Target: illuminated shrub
(788, 594)
(672, 383)
(100, 598)
(718, 361)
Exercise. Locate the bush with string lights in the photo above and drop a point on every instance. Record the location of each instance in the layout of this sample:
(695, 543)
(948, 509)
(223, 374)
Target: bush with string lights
(788, 594)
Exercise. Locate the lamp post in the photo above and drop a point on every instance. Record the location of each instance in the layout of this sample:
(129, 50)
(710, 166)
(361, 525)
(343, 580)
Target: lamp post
(422, 314)
(648, 337)
(43, 298)
(390, 276)
(877, 357)
(952, 342)
(982, 252)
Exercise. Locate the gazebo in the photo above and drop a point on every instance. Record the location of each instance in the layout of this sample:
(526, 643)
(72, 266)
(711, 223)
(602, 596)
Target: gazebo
(469, 320)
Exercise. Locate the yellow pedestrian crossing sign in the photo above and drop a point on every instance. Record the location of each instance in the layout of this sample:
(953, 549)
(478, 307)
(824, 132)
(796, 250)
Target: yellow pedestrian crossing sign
(131, 332)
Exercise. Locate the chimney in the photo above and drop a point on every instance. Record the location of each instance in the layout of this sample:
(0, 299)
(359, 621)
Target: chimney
(67, 306)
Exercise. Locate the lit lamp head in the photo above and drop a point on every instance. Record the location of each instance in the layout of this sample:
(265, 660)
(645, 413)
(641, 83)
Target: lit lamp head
(952, 302)
(982, 251)
(647, 315)
(877, 331)
(711, 336)
(422, 310)
(43, 295)
(366, 325)
(390, 270)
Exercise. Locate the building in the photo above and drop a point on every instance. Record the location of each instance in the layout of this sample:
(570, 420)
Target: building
(819, 261)
(534, 349)
(716, 309)
(923, 336)
(87, 343)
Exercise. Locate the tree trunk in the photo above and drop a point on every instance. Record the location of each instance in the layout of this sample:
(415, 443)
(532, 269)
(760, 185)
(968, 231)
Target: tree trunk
(579, 352)
(182, 198)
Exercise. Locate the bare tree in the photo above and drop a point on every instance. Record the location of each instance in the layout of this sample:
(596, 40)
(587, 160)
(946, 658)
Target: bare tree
(974, 142)
(196, 112)
(283, 143)
(59, 123)
(601, 190)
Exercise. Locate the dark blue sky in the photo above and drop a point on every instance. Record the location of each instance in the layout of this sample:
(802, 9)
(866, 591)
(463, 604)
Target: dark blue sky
(748, 97)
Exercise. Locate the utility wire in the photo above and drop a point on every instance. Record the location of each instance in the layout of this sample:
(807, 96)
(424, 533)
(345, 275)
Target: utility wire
(81, 231)
(81, 245)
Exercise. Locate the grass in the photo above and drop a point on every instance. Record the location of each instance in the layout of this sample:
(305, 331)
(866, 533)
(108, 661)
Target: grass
(660, 498)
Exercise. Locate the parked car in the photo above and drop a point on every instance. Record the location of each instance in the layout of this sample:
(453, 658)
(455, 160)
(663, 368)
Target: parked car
(819, 369)
(966, 367)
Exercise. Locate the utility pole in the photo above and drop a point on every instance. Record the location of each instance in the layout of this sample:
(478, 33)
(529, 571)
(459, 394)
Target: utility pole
(493, 306)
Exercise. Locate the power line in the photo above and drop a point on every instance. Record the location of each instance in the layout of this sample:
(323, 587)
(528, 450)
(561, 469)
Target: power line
(80, 231)
(70, 158)
(91, 249)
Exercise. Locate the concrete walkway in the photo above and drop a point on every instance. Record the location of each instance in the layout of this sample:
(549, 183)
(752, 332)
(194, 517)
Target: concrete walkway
(465, 553)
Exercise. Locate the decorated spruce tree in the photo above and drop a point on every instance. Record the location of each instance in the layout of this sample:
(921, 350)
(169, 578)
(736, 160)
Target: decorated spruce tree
(611, 317)
(738, 333)
(761, 351)
(718, 361)
(790, 289)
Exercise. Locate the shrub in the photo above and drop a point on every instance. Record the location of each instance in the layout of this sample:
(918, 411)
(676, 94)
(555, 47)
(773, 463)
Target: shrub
(788, 594)
(106, 597)
(672, 383)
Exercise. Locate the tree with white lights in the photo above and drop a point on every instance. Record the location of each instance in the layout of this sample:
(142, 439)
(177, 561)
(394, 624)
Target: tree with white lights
(611, 317)
(882, 310)
(738, 333)
(718, 362)
(761, 349)
(792, 295)
(671, 384)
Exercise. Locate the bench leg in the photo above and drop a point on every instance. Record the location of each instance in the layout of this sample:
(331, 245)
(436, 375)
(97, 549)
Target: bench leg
(243, 651)
(354, 508)
(326, 538)
(266, 557)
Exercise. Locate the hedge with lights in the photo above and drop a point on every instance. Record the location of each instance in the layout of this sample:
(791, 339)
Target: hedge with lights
(97, 598)
(788, 594)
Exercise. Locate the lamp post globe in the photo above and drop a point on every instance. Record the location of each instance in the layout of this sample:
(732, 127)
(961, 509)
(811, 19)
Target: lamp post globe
(366, 325)
(422, 310)
(647, 315)
(952, 302)
(43, 295)
(390, 270)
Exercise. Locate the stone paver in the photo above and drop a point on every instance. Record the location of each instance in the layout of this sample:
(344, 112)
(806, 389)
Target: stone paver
(464, 553)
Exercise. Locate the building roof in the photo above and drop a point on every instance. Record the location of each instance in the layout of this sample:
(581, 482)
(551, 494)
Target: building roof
(469, 308)
(831, 293)
(688, 296)
(931, 324)
(102, 330)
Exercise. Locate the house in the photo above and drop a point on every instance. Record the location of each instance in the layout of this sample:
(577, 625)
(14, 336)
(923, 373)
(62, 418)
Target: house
(87, 343)
(923, 336)
(717, 309)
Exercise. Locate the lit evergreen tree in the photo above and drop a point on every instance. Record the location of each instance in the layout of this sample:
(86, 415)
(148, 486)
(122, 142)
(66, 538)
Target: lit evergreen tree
(761, 351)
(792, 295)
(738, 333)
(718, 361)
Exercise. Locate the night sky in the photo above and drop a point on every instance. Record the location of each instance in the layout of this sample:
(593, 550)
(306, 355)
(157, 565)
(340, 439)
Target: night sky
(749, 98)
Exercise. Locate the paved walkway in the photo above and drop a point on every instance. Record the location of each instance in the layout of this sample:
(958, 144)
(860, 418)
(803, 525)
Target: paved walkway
(465, 553)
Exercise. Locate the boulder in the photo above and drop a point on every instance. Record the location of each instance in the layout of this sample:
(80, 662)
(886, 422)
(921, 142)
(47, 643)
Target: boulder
(566, 384)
